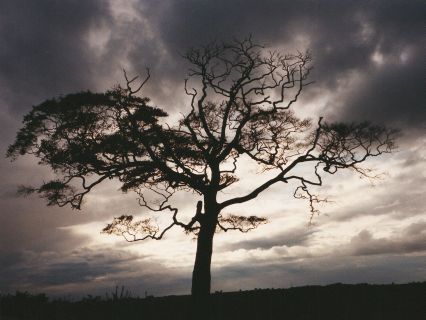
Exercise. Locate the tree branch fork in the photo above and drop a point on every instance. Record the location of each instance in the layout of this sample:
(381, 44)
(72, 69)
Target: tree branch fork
(88, 138)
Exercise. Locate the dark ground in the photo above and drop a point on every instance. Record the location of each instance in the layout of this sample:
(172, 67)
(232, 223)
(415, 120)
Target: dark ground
(337, 301)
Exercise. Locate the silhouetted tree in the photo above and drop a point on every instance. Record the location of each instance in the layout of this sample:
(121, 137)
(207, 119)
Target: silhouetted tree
(240, 100)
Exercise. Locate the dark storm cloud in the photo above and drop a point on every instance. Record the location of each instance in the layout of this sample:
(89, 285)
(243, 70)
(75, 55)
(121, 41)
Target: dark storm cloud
(343, 37)
(44, 52)
(193, 23)
(391, 94)
(293, 237)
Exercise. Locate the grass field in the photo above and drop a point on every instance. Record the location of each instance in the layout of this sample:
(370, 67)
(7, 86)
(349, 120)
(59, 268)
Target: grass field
(337, 301)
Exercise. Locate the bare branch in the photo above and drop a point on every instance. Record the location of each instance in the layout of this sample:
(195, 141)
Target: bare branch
(129, 82)
(240, 223)
(302, 192)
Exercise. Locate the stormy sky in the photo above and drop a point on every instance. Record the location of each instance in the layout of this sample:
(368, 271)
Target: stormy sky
(368, 59)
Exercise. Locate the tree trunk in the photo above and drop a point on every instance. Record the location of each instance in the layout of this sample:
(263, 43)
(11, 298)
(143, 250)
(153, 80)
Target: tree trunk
(201, 277)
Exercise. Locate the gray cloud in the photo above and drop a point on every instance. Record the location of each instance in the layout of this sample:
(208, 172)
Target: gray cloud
(47, 52)
(390, 95)
(343, 37)
(85, 270)
(412, 239)
(293, 237)
(24, 229)
(320, 271)
(395, 203)
(403, 196)
(44, 50)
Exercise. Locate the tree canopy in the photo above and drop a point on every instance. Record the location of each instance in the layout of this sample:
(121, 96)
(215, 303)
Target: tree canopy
(240, 100)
